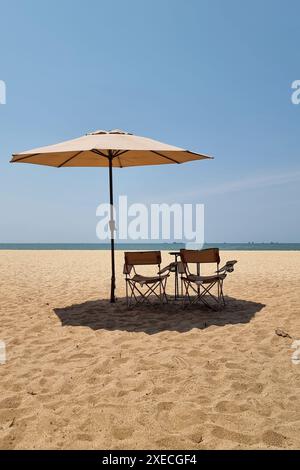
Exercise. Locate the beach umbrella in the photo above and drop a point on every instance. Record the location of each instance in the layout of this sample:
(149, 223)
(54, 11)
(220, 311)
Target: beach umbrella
(110, 149)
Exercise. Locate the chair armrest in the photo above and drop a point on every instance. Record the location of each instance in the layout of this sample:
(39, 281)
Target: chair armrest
(167, 268)
(127, 268)
(180, 267)
(228, 267)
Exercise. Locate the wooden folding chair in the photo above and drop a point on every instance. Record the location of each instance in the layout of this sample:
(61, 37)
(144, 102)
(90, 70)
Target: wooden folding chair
(199, 288)
(139, 288)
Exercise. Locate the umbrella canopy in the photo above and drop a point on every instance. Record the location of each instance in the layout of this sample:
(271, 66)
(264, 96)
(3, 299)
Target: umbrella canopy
(114, 148)
(93, 149)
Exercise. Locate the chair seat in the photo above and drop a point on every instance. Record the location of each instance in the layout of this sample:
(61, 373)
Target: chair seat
(147, 279)
(205, 279)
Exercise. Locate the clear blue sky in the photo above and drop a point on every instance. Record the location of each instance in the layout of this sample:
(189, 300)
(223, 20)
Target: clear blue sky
(213, 76)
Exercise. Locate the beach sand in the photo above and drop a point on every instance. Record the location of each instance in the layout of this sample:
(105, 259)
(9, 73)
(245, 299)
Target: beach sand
(82, 373)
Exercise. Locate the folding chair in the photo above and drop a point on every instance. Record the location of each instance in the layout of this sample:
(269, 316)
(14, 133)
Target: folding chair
(202, 286)
(139, 288)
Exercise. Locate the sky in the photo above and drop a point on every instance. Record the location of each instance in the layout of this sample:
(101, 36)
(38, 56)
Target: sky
(207, 75)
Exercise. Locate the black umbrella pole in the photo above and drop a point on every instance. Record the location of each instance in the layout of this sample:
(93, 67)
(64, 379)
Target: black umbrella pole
(112, 234)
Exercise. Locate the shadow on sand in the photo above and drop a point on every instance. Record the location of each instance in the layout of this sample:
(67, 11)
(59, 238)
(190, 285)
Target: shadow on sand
(151, 319)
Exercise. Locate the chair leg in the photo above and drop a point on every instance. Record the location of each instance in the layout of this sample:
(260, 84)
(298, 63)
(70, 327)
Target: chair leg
(132, 294)
(204, 293)
(222, 295)
(140, 296)
(219, 296)
(126, 282)
(160, 288)
(163, 294)
(186, 296)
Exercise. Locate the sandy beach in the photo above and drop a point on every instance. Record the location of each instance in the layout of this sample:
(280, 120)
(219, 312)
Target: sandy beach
(82, 373)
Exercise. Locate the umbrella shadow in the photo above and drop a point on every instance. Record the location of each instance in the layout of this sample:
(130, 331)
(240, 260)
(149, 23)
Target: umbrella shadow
(151, 319)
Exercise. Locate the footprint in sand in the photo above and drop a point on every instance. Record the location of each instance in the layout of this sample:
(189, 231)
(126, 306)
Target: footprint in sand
(239, 386)
(240, 438)
(181, 361)
(233, 365)
(10, 402)
(159, 390)
(196, 437)
(256, 388)
(228, 407)
(121, 433)
(165, 406)
(84, 437)
(49, 372)
(212, 365)
(81, 356)
(272, 438)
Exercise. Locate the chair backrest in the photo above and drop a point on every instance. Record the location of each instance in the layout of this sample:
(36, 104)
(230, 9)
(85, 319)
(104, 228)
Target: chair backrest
(140, 258)
(135, 258)
(198, 257)
(209, 255)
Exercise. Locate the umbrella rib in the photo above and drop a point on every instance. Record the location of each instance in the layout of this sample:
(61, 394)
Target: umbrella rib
(106, 156)
(164, 156)
(23, 158)
(120, 152)
(199, 154)
(62, 164)
(99, 153)
(117, 154)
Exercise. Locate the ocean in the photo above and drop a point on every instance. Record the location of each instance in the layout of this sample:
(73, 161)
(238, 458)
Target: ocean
(150, 246)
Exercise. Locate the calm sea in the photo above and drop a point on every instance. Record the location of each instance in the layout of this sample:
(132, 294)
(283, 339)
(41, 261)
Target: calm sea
(148, 246)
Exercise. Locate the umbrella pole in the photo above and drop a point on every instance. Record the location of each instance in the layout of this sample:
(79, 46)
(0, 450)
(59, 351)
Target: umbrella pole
(112, 230)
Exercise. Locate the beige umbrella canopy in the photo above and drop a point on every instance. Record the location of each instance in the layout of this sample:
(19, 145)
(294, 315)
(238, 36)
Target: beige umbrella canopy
(114, 148)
